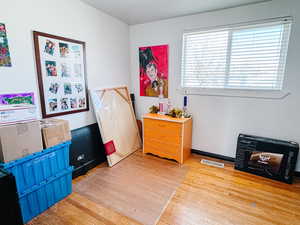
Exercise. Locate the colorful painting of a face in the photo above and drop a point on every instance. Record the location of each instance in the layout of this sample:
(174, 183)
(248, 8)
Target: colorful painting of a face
(154, 71)
(4, 50)
(64, 50)
(49, 47)
(51, 68)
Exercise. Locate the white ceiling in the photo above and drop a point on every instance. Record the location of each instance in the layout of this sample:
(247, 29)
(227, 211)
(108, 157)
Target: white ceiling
(142, 11)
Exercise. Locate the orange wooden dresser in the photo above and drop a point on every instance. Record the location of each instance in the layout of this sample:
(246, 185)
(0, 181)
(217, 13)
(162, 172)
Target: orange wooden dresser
(167, 137)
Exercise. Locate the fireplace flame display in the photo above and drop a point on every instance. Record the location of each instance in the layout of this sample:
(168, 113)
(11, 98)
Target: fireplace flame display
(263, 158)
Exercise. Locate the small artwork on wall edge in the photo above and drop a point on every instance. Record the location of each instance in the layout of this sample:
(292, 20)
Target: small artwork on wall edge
(5, 60)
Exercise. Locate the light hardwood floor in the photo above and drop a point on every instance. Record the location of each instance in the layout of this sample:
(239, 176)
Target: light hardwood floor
(207, 196)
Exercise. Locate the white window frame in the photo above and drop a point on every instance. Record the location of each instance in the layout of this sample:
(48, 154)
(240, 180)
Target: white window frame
(234, 92)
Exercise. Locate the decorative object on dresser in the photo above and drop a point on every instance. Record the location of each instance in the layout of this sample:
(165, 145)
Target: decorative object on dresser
(167, 137)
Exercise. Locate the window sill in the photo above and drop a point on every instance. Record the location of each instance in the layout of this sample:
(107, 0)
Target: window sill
(235, 93)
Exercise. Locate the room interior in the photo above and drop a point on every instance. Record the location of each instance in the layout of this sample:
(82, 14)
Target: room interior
(159, 112)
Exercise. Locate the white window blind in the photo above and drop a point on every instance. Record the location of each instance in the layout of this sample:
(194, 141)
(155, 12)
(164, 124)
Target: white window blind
(239, 57)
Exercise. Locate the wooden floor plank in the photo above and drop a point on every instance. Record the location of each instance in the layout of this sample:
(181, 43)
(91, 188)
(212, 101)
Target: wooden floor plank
(211, 195)
(207, 196)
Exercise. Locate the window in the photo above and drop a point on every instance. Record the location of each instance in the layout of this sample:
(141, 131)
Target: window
(240, 57)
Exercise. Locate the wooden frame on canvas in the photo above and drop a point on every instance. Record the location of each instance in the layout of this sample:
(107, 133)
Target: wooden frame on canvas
(117, 123)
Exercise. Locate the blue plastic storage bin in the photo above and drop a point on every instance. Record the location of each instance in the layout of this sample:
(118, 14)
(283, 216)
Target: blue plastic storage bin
(39, 198)
(36, 168)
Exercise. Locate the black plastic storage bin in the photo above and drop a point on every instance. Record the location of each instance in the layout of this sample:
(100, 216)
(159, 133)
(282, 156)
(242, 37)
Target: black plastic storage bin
(10, 209)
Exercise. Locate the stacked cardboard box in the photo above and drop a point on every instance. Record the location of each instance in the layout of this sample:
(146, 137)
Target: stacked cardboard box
(20, 131)
(55, 131)
(20, 139)
(22, 134)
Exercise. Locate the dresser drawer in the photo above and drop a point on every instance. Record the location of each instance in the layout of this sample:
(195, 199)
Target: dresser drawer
(162, 149)
(163, 130)
(162, 136)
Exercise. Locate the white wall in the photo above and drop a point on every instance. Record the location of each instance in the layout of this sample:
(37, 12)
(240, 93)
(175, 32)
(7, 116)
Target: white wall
(107, 44)
(219, 120)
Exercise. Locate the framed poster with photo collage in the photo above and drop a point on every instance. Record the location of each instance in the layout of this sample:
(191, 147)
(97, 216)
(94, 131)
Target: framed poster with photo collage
(61, 74)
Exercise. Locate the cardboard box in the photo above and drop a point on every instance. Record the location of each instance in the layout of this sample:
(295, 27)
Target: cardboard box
(10, 114)
(19, 140)
(55, 131)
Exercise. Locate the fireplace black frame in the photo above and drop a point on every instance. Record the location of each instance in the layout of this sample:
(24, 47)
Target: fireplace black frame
(249, 144)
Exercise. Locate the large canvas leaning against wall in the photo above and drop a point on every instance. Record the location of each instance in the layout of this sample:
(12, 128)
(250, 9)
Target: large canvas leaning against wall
(117, 123)
(61, 74)
(154, 71)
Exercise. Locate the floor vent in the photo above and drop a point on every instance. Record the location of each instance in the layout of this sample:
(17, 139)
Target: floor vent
(212, 163)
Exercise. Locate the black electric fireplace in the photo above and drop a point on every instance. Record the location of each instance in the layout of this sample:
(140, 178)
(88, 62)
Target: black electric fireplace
(267, 157)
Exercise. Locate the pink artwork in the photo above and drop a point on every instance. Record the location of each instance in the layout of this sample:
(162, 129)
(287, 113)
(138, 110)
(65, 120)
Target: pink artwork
(154, 71)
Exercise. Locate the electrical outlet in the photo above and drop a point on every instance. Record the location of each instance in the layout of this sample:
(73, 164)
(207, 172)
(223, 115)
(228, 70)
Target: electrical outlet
(80, 157)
